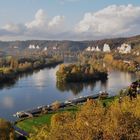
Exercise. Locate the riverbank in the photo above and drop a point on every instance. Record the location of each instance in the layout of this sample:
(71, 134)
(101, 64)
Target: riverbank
(17, 68)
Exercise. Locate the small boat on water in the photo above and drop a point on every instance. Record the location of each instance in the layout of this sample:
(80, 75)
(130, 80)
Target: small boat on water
(103, 94)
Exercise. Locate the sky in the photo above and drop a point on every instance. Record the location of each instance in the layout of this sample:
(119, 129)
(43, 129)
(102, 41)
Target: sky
(68, 19)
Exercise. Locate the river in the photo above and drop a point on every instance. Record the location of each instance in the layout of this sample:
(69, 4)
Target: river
(40, 88)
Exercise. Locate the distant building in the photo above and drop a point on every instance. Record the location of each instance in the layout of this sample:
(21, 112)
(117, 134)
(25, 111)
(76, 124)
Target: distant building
(54, 48)
(45, 49)
(31, 46)
(124, 49)
(37, 47)
(106, 48)
(97, 49)
(136, 53)
(93, 49)
(88, 49)
(15, 47)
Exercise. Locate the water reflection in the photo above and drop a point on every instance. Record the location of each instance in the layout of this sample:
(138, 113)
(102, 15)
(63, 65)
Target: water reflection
(8, 102)
(77, 88)
(37, 81)
(8, 85)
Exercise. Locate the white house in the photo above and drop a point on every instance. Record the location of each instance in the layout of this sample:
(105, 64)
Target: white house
(31, 46)
(88, 49)
(97, 49)
(93, 49)
(37, 47)
(106, 48)
(124, 49)
(45, 49)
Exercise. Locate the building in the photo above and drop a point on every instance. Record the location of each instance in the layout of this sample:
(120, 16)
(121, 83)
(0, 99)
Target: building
(45, 49)
(124, 49)
(88, 49)
(93, 49)
(31, 46)
(97, 49)
(106, 48)
(37, 47)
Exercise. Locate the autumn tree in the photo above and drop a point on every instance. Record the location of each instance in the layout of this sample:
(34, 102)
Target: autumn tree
(55, 105)
(6, 130)
(108, 58)
(14, 63)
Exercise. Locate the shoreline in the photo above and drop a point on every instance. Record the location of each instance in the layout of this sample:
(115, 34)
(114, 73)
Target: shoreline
(13, 77)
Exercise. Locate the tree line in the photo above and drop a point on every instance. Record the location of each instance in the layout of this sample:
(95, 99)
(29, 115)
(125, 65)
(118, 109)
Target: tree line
(10, 67)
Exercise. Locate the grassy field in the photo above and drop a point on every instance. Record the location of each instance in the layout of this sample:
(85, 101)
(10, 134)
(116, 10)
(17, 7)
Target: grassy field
(29, 124)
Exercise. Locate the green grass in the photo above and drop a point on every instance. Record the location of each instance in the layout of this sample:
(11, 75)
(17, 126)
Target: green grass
(107, 101)
(29, 124)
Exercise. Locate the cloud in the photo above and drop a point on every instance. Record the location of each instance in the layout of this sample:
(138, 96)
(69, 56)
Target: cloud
(14, 28)
(39, 21)
(112, 20)
(57, 20)
(41, 26)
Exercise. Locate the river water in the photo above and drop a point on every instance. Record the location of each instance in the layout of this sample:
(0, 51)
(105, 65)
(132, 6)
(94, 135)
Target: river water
(40, 88)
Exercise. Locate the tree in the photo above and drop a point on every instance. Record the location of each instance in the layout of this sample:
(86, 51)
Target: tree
(95, 122)
(108, 58)
(14, 63)
(6, 130)
(91, 70)
(62, 68)
(55, 105)
(74, 69)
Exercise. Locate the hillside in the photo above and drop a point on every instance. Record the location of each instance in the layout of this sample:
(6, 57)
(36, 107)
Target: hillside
(11, 46)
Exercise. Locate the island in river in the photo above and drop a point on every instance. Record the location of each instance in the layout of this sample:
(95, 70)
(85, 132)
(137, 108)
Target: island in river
(80, 73)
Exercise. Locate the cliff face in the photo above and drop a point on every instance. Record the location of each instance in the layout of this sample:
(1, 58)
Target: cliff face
(6, 46)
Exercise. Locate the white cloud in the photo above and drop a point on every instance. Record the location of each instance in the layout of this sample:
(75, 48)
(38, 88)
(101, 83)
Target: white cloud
(14, 28)
(39, 21)
(57, 20)
(112, 20)
(44, 25)
(40, 26)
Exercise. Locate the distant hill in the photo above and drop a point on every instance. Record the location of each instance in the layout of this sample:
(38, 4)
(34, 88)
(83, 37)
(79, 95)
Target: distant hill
(8, 46)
